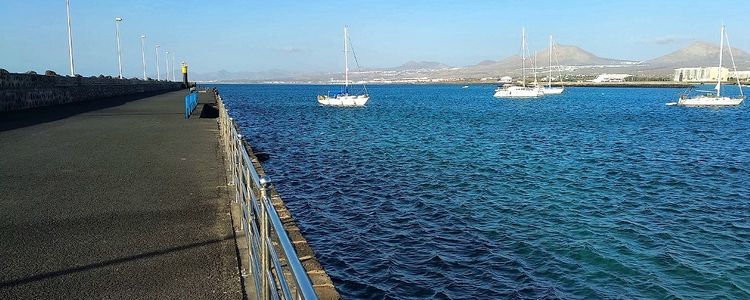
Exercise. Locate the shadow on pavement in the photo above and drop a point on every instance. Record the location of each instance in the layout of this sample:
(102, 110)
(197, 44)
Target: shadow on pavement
(43, 276)
(29, 117)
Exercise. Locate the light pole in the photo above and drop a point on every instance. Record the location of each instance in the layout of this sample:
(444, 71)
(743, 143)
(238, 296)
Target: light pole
(70, 41)
(166, 62)
(143, 56)
(119, 54)
(173, 79)
(158, 68)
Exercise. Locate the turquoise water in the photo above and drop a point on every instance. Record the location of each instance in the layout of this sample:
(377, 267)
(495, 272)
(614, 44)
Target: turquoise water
(433, 191)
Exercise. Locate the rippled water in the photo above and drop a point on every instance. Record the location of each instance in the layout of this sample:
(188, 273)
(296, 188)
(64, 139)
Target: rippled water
(440, 192)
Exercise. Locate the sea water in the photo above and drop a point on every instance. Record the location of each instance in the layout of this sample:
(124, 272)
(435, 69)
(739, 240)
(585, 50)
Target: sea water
(434, 191)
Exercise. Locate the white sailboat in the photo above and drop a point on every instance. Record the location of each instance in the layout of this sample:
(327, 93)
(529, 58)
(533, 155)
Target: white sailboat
(343, 98)
(549, 90)
(522, 91)
(710, 99)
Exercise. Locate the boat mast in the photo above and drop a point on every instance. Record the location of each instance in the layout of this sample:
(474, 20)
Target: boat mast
(549, 78)
(536, 83)
(721, 53)
(523, 56)
(346, 63)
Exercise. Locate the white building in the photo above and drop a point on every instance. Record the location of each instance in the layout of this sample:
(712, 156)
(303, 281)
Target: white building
(506, 79)
(741, 75)
(611, 78)
(701, 74)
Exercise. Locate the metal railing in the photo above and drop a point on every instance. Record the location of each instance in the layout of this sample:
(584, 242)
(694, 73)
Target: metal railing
(271, 252)
(191, 101)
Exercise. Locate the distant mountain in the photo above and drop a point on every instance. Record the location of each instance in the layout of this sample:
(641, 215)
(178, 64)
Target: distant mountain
(699, 54)
(576, 61)
(569, 55)
(565, 55)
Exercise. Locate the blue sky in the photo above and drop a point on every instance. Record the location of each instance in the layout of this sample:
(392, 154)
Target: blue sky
(306, 35)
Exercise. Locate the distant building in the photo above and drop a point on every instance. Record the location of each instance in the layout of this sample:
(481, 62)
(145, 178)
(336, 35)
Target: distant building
(741, 75)
(700, 74)
(506, 79)
(611, 78)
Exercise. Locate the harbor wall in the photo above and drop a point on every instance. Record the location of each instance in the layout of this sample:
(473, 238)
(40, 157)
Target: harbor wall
(30, 90)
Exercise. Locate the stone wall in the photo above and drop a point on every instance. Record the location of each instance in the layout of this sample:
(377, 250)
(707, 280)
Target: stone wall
(24, 91)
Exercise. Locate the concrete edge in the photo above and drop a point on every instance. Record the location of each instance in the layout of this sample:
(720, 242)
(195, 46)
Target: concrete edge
(320, 279)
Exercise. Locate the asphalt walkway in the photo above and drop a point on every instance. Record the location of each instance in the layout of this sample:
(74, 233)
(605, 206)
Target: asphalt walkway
(120, 198)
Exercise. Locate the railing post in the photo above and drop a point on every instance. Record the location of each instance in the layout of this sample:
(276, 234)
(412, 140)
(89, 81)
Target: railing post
(265, 264)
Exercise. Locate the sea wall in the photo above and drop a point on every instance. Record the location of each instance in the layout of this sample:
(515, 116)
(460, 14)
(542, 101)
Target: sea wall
(24, 91)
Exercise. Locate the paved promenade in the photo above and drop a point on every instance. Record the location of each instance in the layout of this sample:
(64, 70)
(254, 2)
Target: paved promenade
(115, 199)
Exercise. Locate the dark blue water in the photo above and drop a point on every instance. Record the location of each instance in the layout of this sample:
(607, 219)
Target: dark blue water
(440, 192)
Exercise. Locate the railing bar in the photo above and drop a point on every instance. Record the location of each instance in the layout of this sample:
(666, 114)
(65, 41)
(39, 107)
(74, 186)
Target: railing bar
(303, 282)
(279, 272)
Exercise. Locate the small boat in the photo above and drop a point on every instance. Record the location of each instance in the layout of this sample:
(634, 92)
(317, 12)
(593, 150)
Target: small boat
(343, 97)
(522, 91)
(709, 98)
(465, 87)
(549, 90)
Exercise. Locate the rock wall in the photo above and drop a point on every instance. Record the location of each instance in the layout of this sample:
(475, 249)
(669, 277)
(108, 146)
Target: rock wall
(24, 91)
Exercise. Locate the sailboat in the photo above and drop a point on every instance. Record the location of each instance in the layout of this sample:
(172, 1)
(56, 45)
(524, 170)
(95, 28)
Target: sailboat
(549, 90)
(343, 98)
(711, 99)
(522, 91)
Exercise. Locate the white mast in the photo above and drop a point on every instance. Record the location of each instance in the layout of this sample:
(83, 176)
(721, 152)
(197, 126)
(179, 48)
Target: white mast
(523, 56)
(721, 53)
(535, 69)
(346, 63)
(549, 78)
(70, 40)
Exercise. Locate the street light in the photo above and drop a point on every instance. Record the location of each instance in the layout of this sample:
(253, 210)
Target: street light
(70, 40)
(143, 56)
(119, 54)
(166, 62)
(173, 78)
(158, 68)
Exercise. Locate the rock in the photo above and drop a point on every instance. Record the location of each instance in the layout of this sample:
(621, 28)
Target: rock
(50, 73)
(4, 72)
(262, 156)
(30, 73)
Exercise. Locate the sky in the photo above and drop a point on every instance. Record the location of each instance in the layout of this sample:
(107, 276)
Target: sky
(306, 36)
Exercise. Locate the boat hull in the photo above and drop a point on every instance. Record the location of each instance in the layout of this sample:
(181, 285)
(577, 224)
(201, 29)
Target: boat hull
(518, 92)
(553, 90)
(343, 100)
(710, 101)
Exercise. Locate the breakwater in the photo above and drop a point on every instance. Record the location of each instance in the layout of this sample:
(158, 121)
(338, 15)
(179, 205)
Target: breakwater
(628, 84)
(25, 91)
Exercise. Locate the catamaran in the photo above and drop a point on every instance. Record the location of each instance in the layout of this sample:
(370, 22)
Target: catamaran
(709, 98)
(343, 98)
(522, 91)
(549, 90)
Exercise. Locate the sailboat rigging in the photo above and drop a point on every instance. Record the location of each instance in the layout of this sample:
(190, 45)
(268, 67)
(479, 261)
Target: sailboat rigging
(343, 98)
(522, 91)
(710, 99)
(549, 90)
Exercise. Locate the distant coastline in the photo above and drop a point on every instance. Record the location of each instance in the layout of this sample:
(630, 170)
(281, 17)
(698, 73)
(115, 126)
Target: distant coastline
(627, 84)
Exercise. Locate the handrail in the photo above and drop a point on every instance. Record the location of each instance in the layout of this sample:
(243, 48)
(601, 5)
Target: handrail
(268, 264)
(191, 101)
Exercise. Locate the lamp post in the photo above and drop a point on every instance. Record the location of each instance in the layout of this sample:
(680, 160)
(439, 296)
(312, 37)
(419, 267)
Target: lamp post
(166, 62)
(70, 40)
(143, 56)
(173, 78)
(158, 68)
(119, 53)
